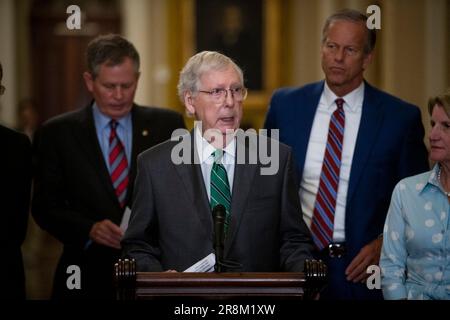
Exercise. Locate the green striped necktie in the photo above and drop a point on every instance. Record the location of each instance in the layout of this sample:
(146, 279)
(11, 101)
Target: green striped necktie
(220, 187)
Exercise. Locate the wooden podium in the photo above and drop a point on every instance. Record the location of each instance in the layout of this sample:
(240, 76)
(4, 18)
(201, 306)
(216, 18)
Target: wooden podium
(133, 285)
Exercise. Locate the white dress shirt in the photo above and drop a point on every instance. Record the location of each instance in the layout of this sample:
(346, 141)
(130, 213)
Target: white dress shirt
(316, 151)
(205, 150)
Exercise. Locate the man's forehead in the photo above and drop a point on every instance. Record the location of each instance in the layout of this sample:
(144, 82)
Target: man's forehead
(220, 77)
(355, 32)
(350, 26)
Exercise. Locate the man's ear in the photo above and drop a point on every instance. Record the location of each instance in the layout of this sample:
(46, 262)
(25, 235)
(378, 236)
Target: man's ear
(189, 102)
(89, 81)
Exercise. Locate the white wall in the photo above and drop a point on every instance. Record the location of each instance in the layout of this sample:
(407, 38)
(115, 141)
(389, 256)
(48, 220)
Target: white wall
(145, 24)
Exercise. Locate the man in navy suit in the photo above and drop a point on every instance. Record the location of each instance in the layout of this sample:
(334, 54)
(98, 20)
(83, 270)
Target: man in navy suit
(382, 142)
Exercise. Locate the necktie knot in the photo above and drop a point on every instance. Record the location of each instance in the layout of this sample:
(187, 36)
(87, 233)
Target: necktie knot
(113, 133)
(340, 103)
(217, 155)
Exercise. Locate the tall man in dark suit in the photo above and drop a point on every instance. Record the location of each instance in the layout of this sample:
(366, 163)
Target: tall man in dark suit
(15, 187)
(352, 143)
(87, 166)
(171, 226)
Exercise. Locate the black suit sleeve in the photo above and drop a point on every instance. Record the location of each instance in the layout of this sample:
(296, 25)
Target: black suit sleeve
(141, 239)
(296, 243)
(51, 207)
(15, 186)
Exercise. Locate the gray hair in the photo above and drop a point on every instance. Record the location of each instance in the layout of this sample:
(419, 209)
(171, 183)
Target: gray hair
(112, 49)
(200, 63)
(353, 16)
(442, 100)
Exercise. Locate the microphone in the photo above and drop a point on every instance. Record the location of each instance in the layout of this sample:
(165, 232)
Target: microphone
(219, 213)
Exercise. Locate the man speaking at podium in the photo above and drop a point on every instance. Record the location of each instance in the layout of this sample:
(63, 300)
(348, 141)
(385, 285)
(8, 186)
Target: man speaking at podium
(171, 225)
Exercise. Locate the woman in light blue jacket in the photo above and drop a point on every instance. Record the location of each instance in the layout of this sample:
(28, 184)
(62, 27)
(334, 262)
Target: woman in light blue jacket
(415, 257)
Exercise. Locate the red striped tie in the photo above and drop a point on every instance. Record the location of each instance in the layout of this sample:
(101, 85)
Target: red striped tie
(323, 217)
(118, 164)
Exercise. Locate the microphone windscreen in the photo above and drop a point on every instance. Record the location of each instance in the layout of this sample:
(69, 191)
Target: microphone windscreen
(219, 212)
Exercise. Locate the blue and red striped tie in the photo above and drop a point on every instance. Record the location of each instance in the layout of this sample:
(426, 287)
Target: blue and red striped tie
(323, 217)
(118, 165)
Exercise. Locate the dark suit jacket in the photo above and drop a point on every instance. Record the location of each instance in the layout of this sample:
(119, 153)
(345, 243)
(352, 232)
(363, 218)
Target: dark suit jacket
(73, 189)
(172, 225)
(389, 147)
(15, 186)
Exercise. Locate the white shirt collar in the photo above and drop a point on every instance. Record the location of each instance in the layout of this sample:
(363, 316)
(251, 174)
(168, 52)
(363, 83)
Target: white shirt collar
(353, 100)
(205, 149)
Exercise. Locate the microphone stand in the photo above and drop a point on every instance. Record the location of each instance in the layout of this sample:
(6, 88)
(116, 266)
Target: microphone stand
(221, 265)
(219, 213)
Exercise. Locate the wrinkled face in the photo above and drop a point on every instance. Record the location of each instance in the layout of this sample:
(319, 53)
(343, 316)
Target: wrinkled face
(343, 57)
(114, 88)
(222, 115)
(440, 135)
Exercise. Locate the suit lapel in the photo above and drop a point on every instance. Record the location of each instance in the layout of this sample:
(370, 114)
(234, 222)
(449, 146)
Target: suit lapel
(306, 108)
(141, 131)
(192, 179)
(242, 182)
(88, 140)
(371, 119)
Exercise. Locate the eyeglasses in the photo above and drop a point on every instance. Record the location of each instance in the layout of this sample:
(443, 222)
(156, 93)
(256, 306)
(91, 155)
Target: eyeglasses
(219, 95)
(2, 90)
